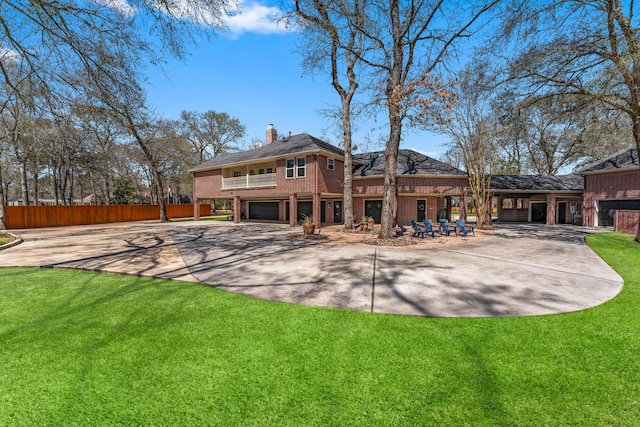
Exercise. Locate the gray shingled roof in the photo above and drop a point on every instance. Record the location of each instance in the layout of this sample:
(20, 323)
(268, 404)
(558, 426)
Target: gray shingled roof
(301, 143)
(409, 163)
(539, 183)
(627, 158)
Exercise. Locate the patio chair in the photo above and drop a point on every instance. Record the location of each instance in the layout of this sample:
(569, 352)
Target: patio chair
(465, 228)
(428, 227)
(417, 231)
(446, 228)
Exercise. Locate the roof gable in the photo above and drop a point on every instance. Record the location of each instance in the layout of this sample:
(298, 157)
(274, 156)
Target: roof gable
(295, 144)
(627, 158)
(409, 163)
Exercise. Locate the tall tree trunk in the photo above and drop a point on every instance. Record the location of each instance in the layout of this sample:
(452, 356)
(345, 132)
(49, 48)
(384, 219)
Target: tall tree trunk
(36, 186)
(394, 99)
(24, 185)
(387, 222)
(347, 190)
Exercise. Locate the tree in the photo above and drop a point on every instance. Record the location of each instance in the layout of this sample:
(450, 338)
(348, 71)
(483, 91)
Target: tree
(472, 126)
(210, 133)
(589, 50)
(333, 40)
(124, 190)
(65, 45)
(406, 46)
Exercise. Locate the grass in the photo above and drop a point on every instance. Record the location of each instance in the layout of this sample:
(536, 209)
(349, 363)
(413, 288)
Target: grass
(5, 238)
(80, 348)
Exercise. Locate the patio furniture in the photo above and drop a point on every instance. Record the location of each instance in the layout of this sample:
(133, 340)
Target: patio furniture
(428, 227)
(446, 228)
(465, 228)
(417, 230)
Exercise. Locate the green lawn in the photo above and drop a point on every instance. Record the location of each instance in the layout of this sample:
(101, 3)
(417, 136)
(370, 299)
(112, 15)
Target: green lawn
(78, 348)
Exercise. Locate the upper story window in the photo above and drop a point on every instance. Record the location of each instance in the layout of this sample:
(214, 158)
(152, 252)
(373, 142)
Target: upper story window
(297, 168)
(237, 174)
(302, 167)
(330, 164)
(291, 170)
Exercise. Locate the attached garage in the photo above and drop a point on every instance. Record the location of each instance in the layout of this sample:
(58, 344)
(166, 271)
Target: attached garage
(264, 210)
(306, 208)
(607, 210)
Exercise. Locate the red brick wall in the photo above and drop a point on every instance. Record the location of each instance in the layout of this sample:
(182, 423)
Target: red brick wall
(611, 185)
(626, 221)
(208, 184)
(522, 215)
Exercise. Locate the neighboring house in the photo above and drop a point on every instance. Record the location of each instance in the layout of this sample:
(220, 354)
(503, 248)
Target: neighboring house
(542, 199)
(612, 186)
(301, 174)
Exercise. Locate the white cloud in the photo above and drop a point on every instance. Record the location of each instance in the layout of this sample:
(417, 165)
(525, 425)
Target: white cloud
(253, 17)
(119, 6)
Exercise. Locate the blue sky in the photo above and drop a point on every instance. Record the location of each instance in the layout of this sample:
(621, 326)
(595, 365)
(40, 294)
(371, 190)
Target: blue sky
(253, 73)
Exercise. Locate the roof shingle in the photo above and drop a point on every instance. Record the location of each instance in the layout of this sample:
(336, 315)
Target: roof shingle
(294, 144)
(539, 183)
(409, 163)
(627, 158)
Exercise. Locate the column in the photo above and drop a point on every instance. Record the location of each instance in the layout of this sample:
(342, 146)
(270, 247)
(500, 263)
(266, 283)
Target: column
(237, 209)
(196, 209)
(293, 210)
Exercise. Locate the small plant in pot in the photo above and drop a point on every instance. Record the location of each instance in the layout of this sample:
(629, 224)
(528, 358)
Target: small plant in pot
(308, 227)
(364, 223)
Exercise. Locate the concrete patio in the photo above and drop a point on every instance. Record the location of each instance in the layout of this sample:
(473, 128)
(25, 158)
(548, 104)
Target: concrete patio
(522, 270)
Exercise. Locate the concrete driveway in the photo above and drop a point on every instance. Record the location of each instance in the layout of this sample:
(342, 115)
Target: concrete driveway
(522, 270)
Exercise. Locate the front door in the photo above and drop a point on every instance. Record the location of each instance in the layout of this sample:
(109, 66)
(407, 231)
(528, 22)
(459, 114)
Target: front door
(421, 208)
(373, 208)
(337, 212)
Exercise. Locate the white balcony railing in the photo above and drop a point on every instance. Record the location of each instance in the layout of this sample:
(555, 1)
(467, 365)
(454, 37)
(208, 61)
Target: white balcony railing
(249, 181)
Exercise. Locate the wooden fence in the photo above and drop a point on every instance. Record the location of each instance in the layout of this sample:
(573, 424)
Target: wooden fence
(59, 216)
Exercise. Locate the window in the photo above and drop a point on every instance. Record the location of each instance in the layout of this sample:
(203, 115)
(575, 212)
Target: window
(291, 168)
(507, 203)
(260, 171)
(237, 174)
(330, 164)
(269, 170)
(297, 168)
(521, 204)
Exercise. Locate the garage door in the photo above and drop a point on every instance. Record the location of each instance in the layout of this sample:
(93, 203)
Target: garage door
(306, 208)
(264, 210)
(607, 210)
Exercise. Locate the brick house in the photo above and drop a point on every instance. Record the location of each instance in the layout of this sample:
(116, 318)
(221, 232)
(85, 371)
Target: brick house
(612, 191)
(301, 174)
(539, 199)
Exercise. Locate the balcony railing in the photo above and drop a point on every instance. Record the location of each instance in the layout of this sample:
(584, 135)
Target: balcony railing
(249, 181)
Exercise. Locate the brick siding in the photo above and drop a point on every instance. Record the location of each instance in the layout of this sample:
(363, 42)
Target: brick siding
(608, 186)
(626, 221)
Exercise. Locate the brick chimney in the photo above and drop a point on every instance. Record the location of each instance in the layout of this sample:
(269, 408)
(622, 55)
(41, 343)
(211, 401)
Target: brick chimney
(272, 134)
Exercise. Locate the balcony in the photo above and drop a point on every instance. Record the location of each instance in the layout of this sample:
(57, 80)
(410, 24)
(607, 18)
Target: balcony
(249, 181)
